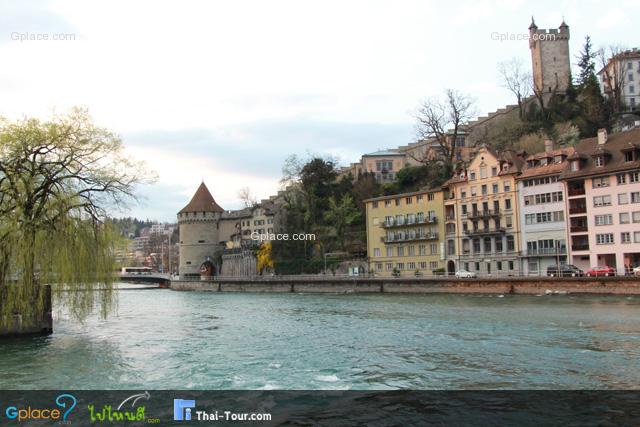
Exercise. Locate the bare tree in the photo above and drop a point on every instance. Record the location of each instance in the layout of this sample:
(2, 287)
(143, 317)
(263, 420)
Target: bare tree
(612, 75)
(518, 81)
(442, 119)
(248, 199)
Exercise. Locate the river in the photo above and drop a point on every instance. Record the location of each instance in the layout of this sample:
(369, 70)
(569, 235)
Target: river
(164, 339)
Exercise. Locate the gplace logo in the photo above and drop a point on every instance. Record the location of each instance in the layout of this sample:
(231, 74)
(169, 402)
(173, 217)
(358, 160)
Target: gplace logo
(65, 401)
(182, 409)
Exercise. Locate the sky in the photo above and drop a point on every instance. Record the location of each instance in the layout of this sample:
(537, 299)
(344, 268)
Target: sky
(224, 91)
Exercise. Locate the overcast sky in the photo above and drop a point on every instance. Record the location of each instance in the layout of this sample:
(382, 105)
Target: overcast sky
(225, 90)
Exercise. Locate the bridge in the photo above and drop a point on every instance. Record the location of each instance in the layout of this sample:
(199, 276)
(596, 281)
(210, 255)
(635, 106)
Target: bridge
(163, 280)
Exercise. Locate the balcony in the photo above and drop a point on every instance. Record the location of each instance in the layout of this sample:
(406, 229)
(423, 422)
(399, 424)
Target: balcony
(418, 237)
(484, 214)
(546, 251)
(450, 218)
(580, 247)
(579, 228)
(481, 231)
(407, 223)
(576, 192)
(577, 210)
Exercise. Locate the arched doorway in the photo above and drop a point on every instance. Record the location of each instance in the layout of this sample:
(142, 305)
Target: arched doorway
(451, 267)
(207, 270)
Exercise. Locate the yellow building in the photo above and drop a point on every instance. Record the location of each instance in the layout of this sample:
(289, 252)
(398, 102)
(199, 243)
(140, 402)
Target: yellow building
(404, 233)
(482, 229)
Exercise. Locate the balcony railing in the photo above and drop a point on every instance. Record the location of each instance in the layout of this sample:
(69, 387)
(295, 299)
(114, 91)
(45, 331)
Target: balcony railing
(484, 214)
(479, 231)
(546, 251)
(417, 237)
(405, 223)
(580, 247)
(577, 209)
(450, 218)
(579, 228)
(576, 192)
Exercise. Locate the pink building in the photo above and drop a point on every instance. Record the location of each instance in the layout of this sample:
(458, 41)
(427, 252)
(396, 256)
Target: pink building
(603, 201)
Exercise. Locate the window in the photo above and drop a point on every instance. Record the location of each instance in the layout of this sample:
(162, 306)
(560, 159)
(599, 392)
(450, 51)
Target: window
(379, 266)
(412, 250)
(632, 89)
(623, 199)
(472, 176)
(434, 248)
(376, 252)
(389, 252)
(473, 191)
(419, 197)
(484, 189)
(408, 200)
(498, 244)
(389, 266)
(494, 171)
(433, 264)
(508, 221)
(498, 265)
(411, 266)
(476, 246)
(634, 177)
(397, 202)
(575, 166)
(600, 182)
(624, 217)
(507, 187)
(635, 216)
(636, 236)
(464, 209)
(602, 201)
(487, 245)
(430, 197)
(400, 251)
(400, 266)
(625, 237)
(483, 173)
(495, 188)
(599, 161)
(635, 197)
(422, 250)
(628, 157)
(604, 219)
(510, 265)
(604, 239)
(510, 245)
(507, 204)
(422, 265)
(387, 203)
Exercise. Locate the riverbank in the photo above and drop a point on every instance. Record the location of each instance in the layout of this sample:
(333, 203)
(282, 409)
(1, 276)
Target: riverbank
(349, 285)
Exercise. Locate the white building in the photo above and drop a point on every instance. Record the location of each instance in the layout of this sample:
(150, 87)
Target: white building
(623, 70)
(541, 196)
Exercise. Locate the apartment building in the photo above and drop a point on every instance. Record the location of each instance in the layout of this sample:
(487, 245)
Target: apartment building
(541, 201)
(603, 200)
(482, 216)
(404, 233)
(621, 78)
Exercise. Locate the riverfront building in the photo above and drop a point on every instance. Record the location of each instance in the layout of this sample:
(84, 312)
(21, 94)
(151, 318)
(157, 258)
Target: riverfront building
(541, 201)
(404, 233)
(208, 232)
(481, 211)
(603, 200)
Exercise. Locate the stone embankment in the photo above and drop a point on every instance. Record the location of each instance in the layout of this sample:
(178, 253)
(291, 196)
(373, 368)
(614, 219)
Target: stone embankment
(348, 285)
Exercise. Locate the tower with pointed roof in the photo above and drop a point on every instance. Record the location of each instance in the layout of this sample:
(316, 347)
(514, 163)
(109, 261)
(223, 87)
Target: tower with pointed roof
(550, 60)
(199, 224)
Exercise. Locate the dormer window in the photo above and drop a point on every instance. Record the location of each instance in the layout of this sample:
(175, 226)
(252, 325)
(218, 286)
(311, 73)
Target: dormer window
(472, 176)
(558, 159)
(505, 167)
(599, 161)
(575, 166)
(543, 161)
(629, 156)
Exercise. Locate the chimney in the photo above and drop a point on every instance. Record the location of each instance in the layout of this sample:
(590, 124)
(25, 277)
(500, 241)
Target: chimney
(602, 136)
(548, 145)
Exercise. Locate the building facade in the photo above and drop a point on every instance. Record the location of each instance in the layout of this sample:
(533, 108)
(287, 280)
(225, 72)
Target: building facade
(603, 201)
(543, 218)
(481, 212)
(622, 75)
(404, 233)
(550, 60)
(208, 233)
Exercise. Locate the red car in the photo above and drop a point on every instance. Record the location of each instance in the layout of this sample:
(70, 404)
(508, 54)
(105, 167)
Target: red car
(601, 271)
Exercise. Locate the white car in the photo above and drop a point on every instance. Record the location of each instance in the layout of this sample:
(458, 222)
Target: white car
(636, 271)
(465, 274)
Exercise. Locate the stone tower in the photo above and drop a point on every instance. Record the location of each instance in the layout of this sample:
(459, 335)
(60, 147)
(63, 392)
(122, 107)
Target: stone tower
(550, 58)
(199, 224)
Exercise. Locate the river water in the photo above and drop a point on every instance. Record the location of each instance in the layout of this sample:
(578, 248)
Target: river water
(161, 339)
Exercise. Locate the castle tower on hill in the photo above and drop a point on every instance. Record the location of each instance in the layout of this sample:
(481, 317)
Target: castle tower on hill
(550, 59)
(199, 224)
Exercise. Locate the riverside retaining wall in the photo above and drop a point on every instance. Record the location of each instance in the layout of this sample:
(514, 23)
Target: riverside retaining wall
(511, 285)
(35, 325)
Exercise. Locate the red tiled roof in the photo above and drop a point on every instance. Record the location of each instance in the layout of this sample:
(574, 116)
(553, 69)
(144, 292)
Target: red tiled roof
(202, 201)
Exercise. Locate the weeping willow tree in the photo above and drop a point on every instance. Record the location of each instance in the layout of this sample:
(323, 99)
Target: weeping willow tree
(57, 180)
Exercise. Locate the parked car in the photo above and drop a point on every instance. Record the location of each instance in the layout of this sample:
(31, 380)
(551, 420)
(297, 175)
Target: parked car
(601, 271)
(465, 274)
(564, 270)
(636, 271)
